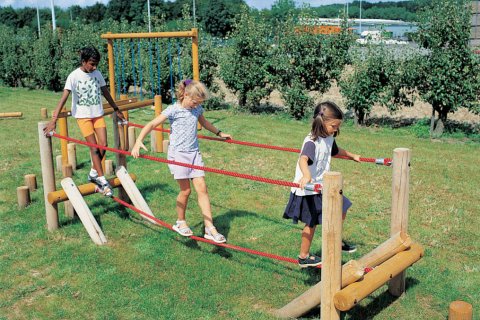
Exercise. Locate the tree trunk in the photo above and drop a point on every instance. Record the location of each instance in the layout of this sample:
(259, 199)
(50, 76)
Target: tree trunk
(359, 118)
(437, 126)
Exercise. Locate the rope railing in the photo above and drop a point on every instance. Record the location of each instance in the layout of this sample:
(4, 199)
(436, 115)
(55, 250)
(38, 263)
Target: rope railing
(208, 169)
(379, 161)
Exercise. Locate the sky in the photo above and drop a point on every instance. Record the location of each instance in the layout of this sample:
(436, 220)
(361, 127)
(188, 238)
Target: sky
(259, 4)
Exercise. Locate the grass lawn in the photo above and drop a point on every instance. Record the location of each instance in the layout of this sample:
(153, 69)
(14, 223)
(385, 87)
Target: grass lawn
(148, 272)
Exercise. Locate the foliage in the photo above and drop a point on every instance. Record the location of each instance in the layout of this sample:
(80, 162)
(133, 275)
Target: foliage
(307, 62)
(218, 16)
(447, 76)
(244, 66)
(377, 76)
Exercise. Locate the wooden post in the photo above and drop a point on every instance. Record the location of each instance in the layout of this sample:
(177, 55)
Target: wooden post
(31, 182)
(63, 130)
(23, 197)
(158, 134)
(121, 159)
(125, 128)
(355, 292)
(48, 176)
(400, 194)
(67, 171)
(83, 211)
(109, 168)
(460, 310)
(10, 114)
(132, 137)
(44, 113)
(111, 67)
(72, 156)
(59, 162)
(332, 203)
(133, 192)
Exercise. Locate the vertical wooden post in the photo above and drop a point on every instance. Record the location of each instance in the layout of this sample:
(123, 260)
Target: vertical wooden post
(31, 182)
(121, 159)
(48, 176)
(23, 197)
(399, 220)
(43, 113)
(132, 136)
(111, 67)
(63, 129)
(158, 134)
(72, 155)
(195, 61)
(332, 202)
(460, 310)
(109, 168)
(67, 171)
(59, 163)
(125, 128)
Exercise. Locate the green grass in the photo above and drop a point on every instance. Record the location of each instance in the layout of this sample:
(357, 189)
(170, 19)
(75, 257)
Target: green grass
(146, 272)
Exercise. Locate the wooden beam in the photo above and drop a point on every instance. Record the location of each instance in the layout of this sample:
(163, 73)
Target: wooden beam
(349, 296)
(83, 212)
(84, 189)
(133, 193)
(122, 105)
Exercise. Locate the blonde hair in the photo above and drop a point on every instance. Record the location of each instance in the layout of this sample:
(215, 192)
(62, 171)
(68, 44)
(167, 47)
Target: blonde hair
(324, 112)
(195, 89)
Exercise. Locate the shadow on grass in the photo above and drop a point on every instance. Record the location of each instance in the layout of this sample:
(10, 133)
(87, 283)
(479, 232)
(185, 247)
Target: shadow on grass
(372, 309)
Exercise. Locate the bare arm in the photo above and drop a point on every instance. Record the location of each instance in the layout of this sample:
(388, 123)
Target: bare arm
(210, 127)
(53, 123)
(345, 153)
(110, 101)
(146, 130)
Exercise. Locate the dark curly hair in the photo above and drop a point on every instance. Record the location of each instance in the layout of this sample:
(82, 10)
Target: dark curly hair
(90, 52)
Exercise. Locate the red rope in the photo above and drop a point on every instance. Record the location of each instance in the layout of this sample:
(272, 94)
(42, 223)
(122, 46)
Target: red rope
(224, 245)
(219, 171)
(386, 161)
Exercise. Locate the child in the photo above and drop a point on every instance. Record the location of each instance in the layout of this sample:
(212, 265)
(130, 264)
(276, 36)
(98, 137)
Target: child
(183, 147)
(86, 83)
(317, 151)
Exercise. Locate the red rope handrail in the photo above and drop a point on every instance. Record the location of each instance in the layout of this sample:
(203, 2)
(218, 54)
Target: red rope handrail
(381, 161)
(208, 169)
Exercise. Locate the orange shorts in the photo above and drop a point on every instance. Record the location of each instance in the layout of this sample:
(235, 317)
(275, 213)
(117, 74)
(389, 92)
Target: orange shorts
(88, 126)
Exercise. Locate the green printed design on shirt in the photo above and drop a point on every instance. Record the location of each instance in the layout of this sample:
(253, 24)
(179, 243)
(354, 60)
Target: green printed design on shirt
(88, 92)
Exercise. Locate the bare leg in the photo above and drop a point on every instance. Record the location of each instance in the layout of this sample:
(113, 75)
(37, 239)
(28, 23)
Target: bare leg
(94, 153)
(203, 200)
(182, 198)
(307, 236)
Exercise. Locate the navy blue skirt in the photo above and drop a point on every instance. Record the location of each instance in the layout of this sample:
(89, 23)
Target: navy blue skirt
(308, 209)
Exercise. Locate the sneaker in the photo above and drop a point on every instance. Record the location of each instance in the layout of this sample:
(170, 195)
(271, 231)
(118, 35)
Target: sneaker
(348, 247)
(310, 261)
(105, 188)
(92, 178)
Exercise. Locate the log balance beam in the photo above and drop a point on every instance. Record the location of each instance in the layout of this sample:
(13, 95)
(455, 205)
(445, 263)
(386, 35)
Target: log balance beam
(351, 272)
(10, 115)
(349, 296)
(58, 196)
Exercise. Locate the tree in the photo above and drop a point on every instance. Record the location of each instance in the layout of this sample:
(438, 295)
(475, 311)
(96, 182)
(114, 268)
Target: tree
(218, 16)
(447, 76)
(244, 67)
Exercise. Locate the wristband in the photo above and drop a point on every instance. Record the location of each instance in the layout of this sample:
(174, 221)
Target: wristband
(218, 132)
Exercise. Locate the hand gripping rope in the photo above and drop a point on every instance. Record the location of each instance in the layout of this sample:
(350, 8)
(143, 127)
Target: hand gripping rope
(379, 161)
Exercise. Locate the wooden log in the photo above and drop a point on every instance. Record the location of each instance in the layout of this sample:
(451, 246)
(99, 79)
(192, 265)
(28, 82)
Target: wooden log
(109, 167)
(44, 113)
(165, 145)
(23, 197)
(400, 194)
(133, 192)
(121, 159)
(460, 310)
(85, 190)
(132, 137)
(349, 296)
(83, 211)
(108, 110)
(69, 211)
(10, 114)
(31, 182)
(395, 244)
(332, 203)
(59, 162)
(351, 272)
(72, 155)
(153, 141)
(158, 134)
(48, 176)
